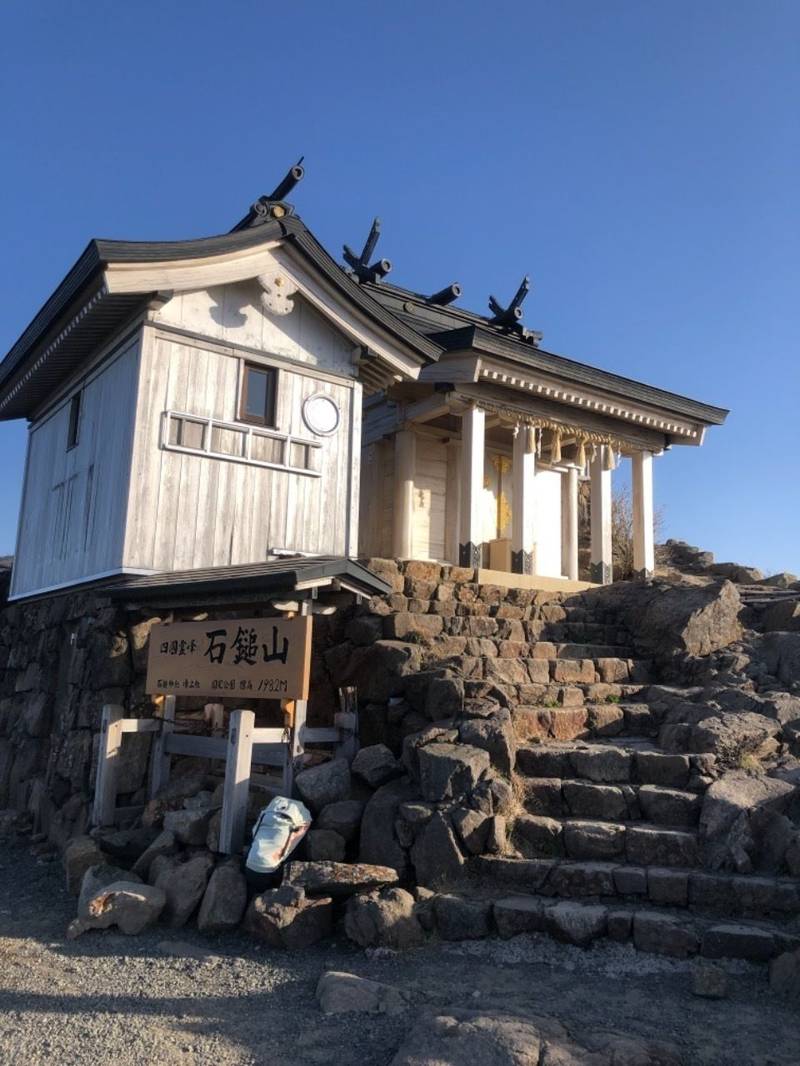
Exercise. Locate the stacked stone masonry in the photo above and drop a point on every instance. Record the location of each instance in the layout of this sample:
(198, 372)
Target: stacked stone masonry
(620, 762)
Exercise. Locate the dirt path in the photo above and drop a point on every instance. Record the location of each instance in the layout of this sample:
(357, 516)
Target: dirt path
(105, 998)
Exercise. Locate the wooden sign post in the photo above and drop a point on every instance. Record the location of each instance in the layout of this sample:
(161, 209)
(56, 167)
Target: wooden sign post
(262, 658)
(251, 658)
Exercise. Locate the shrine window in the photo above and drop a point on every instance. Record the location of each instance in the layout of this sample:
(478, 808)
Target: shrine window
(257, 399)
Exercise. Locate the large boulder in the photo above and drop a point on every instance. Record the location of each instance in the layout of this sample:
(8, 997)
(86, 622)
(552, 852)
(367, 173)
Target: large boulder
(495, 735)
(450, 771)
(80, 854)
(285, 918)
(338, 879)
(98, 877)
(224, 900)
(690, 619)
(384, 918)
(189, 827)
(324, 784)
(378, 843)
(129, 905)
(435, 854)
(343, 817)
(378, 670)
(376, 765)
(730, 736)
(164, 844)
(184, 884)
(738, 810)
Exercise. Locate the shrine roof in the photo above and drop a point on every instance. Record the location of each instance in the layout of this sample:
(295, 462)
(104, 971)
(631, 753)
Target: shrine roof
(457, 329)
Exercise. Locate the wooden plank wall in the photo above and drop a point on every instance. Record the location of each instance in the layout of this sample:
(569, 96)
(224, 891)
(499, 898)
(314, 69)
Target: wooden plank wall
(72, 523)
(193, 510)
(377, 500)
(430, 489)
(233, 313)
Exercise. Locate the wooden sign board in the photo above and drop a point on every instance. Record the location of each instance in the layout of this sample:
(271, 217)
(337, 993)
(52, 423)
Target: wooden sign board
(254, 658)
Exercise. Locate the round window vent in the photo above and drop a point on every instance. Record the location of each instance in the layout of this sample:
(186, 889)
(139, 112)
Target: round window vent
(321, 414)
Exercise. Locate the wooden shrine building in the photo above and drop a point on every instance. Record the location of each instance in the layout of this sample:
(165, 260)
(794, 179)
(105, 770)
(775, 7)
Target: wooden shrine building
(239, 398)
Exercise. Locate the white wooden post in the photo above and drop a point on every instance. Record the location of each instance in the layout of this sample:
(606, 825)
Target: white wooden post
(523, 515)
(644, 559)
(569, 523)
(159, 766)
(602, 570)
(404, 467)
(236, 787)
(473, 429)
(105, 787)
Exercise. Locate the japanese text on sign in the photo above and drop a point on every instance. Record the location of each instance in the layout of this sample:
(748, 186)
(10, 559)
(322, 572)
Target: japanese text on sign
(265, 658)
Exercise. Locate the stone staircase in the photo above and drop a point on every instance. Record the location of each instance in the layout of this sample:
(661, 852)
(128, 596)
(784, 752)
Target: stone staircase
(606, 840)
(612, 827)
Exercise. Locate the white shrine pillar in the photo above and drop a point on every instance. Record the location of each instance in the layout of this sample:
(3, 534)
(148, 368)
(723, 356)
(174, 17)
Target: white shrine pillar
(569, 523)
(644, 556)
(405, 454)
(601, 548)
(523, 515)
(470, 543)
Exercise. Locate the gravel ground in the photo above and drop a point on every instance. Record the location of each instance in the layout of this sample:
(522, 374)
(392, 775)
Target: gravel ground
(175, 998)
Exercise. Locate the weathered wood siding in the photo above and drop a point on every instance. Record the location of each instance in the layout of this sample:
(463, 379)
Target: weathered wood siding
(72, 520)
(191, 510)
(430, 487)
(233, 313)
(377, 500)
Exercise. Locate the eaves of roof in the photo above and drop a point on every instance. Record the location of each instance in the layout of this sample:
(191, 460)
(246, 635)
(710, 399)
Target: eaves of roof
(484, 341)
(85, 277)
(457, 329)
(279, 576)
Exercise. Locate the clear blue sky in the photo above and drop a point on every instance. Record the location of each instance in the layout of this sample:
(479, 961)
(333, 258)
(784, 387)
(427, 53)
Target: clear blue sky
(640, 160)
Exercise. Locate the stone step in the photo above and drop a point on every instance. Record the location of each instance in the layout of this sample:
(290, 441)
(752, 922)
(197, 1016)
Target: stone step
(706, 894)
(555, 797)
(438, 621)
(521, 668)
(649, 929)
(639, 843)
(585, 633)
(584, 722)
(631, 760)
(547, 649)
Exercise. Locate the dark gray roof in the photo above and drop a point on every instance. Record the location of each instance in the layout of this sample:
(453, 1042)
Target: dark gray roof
(113, 309)
(275, 576)
(456, 329)
(426, 329)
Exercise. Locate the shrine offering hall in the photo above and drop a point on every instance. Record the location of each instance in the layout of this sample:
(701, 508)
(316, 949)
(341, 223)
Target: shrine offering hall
(241, 398)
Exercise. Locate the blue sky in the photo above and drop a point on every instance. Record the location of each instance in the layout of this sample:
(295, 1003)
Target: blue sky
(639, 160)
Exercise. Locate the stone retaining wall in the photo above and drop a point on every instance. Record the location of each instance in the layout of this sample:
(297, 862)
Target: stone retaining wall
(61, 659)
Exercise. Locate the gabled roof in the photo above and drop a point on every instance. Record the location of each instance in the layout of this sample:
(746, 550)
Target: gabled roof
(456, 330)
(106, 288)
(82, 312)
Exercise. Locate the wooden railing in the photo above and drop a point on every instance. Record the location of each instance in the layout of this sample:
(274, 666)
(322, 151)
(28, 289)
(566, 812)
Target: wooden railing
(244, 746)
